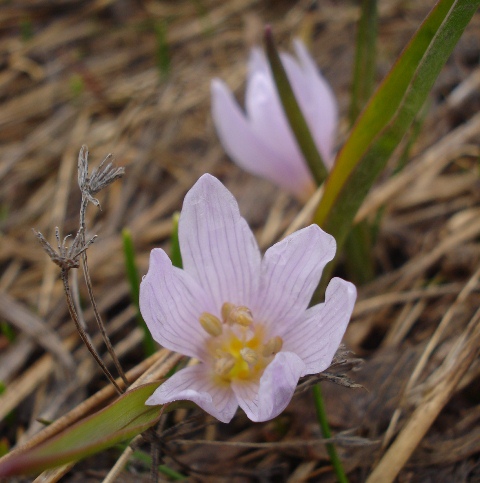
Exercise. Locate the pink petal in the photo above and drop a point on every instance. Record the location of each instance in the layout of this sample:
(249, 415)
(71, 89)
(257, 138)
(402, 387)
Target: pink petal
(267, 399)
(171, 303)
(197, 385)
(269, 122)
(257, 62)
(297, 79)
(316, 338)
(247, 148)
(218, 248)
(291, 271)
(318, 104)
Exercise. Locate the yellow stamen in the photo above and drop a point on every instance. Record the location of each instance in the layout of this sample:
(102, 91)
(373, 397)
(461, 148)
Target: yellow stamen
(211, 324)
(224, 365)
(227, 307)
(237, 346)
(249, 356)
(273, 346)
(240, 315)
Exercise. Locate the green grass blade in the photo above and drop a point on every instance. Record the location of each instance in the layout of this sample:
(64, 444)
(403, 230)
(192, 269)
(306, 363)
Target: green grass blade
(149, 346)
(164, 469)
(365, 55)
(175, 254)
(162, 51)
(388, 115)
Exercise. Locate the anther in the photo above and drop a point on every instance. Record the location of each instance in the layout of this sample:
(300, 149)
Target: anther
(240, 315)
(224, 365)
(211, 324)
(249, 356)
(227, 307)
(273, 346)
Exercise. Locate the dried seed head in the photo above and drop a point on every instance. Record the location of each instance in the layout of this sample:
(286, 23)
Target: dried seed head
(66, 257)
(101, 177)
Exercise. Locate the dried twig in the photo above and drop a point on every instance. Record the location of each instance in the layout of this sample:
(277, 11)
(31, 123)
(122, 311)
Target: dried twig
(66, 259)
(90, 186)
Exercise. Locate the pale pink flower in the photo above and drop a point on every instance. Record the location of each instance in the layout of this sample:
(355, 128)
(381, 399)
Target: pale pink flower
(260, 140)
(243, 317)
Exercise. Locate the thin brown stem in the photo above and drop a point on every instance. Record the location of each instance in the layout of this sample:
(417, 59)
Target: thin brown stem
(155, 453)
(81, 331)
(88, 282)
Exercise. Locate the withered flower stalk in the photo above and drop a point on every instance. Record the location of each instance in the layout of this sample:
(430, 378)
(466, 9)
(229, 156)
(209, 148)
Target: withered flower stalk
(100, 178)
(67, 258)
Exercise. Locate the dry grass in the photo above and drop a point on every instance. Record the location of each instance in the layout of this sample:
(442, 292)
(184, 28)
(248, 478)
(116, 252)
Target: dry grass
(77, 72)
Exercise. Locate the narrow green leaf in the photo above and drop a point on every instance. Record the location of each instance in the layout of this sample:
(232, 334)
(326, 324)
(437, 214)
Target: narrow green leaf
(174, 475)
(7, 331)
(358, 245)
(175, 254)
(389, 114)
(365, 54)
(123, 419)
(130, 266)
(4, 447)
(162, 52)
(292, 110)
(164, 469)
(359, 261)
(411, 136)
(26, 29)
(149, 346)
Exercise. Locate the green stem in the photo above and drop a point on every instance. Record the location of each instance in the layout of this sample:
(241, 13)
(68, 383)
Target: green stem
(323, 422)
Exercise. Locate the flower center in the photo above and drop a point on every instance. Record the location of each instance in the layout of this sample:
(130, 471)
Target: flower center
(237, 345)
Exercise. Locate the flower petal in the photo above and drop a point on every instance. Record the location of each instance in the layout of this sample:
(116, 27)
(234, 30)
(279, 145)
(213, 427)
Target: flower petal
(171, 302)
(218, 248)
(291, 271)
(269, 122)
(316, 338)
(257, 62)
(318, 104)
(246, 148)
(297, 79)
(267, 399)
(197, 385)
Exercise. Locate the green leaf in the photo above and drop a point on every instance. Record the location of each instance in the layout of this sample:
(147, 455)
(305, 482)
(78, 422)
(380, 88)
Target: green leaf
(292, 110)
(149, 346)
(162, 53)
(365, 53)
(123, 419)
(175, 253)
(164, 469)
(7, 331)
(389, 113)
